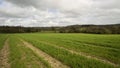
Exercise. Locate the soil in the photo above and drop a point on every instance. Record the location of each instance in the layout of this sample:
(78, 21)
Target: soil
(52, 61)
(4, 54)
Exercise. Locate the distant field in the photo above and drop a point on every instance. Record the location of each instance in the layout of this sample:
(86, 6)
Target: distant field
(55, 50)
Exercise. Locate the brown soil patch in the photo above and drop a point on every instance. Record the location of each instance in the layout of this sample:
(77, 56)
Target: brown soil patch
(4, 54)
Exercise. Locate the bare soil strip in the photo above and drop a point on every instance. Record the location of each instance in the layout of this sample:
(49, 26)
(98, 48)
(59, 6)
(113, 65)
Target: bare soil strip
(34, 59)
(82, 54)
(4, 53)
(52, 61)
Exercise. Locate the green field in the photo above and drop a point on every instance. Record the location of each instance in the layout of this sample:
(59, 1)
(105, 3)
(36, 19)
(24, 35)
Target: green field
(69, 50)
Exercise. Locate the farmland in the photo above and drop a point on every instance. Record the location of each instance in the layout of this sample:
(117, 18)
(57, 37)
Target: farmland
(59, 50)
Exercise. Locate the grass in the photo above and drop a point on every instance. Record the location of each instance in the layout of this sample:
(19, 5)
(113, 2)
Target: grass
(79, 43)
(23, 57)
(72, 60)
(3, 37)
(105, 47)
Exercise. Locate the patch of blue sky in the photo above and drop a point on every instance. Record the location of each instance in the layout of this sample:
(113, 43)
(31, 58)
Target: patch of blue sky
(54, 11)
(1, 3)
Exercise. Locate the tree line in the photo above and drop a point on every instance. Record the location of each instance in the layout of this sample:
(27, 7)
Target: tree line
(96, 29)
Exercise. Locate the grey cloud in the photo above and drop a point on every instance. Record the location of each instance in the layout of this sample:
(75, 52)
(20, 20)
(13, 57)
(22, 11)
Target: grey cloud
(62, 12)
(24, 3)
(40, 4)
(9, 15)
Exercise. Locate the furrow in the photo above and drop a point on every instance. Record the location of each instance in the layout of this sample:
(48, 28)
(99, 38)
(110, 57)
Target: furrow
(4, 54)
(52, 61)
(82, 54)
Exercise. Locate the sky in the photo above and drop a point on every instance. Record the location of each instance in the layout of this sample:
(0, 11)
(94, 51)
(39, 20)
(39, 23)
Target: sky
(42, 13)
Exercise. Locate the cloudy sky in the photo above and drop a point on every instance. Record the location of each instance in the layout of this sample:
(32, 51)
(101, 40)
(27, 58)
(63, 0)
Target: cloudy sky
(58, 12)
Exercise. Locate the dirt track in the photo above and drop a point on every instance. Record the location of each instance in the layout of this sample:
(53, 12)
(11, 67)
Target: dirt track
(82, 54)
(4, 54)
(52, 61)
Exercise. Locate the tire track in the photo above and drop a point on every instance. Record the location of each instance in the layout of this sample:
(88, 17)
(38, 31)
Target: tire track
(82, 54)
(52, 61)
(26, 55)
(4, 54)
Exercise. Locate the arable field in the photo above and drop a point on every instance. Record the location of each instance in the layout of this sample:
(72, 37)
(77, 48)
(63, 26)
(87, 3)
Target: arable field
(55, 50)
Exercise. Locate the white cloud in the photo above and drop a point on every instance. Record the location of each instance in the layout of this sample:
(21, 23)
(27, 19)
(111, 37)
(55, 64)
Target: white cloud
(59, 12)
